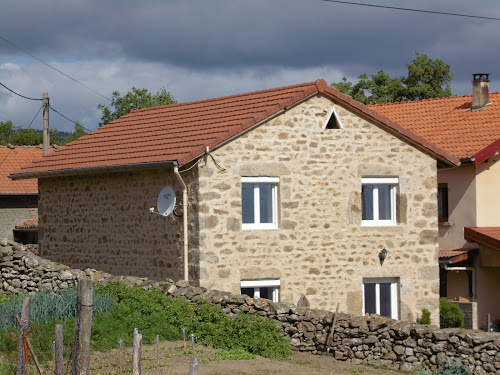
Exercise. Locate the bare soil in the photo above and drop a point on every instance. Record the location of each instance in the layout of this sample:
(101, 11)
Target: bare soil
(172, 359)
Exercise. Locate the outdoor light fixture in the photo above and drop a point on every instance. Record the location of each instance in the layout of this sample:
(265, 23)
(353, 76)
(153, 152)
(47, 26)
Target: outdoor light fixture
(382, 255)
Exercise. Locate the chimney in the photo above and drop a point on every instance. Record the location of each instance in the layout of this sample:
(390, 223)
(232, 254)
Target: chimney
(480, 90)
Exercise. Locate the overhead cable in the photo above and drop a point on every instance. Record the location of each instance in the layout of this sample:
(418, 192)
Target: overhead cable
(74, 122)
(22, 96)
(413, 10)
(57, 70)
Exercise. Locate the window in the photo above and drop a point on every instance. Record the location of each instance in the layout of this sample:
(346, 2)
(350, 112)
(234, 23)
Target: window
(443, 202)
(268, 289)
(333, 121)
(380, 296)
(259, 206)
(378, 201)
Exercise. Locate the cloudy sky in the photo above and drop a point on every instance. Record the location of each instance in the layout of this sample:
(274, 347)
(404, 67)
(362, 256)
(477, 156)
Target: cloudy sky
(199, 49)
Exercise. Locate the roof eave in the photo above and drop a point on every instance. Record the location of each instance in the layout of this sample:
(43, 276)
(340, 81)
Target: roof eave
(487, 152)
(100, 168)
(14, 194)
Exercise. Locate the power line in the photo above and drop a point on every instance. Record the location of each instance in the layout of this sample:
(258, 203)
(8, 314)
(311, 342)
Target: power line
(57, 70)
(60, 114)
(25, 130)
(22, 96)
(413, 10)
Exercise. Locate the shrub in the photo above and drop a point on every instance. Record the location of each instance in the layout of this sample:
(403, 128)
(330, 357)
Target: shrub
(450, 315)
(450, 367)
(425, 318)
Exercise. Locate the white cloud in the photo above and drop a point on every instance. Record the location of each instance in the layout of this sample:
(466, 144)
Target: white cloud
(80, 104)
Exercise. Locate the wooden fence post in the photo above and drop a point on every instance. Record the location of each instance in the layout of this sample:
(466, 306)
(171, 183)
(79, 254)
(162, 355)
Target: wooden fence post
(80, 353)
(194, 363)
(58, 350)
(22, 351)
(137, 353)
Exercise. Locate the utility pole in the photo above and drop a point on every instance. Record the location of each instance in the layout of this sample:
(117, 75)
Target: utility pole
(46, 134)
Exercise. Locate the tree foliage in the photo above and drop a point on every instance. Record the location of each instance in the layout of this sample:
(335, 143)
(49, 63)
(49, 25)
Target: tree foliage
(426, 78)
(137, 98)
(16, 135)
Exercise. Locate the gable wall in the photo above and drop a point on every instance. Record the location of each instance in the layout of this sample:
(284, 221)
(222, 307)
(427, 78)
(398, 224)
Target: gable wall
(15, 209)
(102, 221)
(320, 249)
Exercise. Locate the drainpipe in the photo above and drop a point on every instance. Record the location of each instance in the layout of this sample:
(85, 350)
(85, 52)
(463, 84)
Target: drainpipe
(185, 220)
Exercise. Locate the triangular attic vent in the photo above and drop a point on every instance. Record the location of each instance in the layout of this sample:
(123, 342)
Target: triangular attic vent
(333, 121)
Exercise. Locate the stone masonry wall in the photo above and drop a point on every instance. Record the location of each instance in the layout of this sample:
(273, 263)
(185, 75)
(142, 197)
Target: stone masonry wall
(15, 209)
(103, 221)
(321, 249)
(369, 339)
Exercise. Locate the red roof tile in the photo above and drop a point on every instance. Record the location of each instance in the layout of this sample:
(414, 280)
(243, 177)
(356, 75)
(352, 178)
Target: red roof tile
(11, 160)
(28, 224)
(450, 124)
(489, 236)
(181, 132)
(456, 255)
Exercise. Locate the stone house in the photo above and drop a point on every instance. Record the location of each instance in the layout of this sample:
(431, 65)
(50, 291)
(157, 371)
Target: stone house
(468, 127)
(18, 199)
(285, 192)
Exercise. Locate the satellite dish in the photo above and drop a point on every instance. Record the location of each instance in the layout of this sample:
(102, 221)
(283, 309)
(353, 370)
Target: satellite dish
(166, 201)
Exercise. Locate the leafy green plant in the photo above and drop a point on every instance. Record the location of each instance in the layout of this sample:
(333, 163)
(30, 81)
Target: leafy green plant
(450, 315)
(49, 306)
(452, 366)
(425, 318)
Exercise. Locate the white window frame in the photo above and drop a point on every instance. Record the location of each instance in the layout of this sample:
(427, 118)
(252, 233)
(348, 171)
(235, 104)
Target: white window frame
(257, 284)
(393, 182)
(333, 112)
(394, 294)
(256, 191)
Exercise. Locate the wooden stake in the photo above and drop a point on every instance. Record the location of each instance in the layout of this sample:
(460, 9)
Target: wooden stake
(80, 353)
(23, 324)
(194, 363)
(332, 330)
(136, 355)
(58, 350)
(31, 350)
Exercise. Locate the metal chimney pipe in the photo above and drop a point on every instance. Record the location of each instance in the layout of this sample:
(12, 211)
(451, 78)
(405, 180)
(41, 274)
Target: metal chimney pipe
(480, 90)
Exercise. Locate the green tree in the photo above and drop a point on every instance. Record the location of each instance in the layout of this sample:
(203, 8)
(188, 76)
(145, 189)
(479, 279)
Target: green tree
(137, 98)
(6, 131)
(77, 133)
(426, 78)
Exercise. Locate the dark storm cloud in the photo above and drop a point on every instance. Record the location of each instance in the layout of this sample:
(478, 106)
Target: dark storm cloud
(204, 48)
(233, 34)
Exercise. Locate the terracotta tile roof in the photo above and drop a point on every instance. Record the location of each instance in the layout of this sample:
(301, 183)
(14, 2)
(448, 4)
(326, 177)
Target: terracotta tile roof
(456, 255)
(181, 132)
(28, 224)
(11, 160)
(489, 236)
(449, 123)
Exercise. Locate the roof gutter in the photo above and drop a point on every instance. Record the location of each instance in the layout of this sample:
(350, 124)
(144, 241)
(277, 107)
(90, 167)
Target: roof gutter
(100, 168)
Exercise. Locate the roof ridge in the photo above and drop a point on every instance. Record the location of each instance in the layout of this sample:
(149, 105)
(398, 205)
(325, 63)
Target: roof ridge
(243, 94)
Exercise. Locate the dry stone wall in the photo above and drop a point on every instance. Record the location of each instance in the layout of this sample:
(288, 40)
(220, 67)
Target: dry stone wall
(369, 339)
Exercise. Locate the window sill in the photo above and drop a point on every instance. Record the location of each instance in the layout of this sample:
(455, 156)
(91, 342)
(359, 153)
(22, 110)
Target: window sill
(445, 224)
(257, 227)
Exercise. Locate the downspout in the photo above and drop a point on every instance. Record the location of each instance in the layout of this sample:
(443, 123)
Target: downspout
(185, 220)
